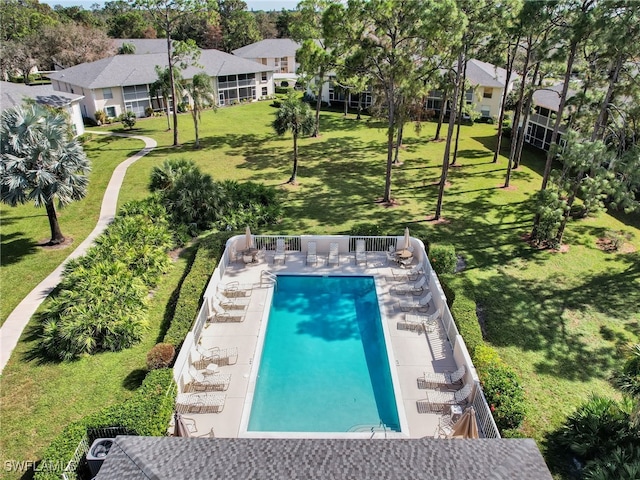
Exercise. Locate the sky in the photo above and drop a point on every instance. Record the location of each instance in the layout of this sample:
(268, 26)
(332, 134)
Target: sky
(251, 4)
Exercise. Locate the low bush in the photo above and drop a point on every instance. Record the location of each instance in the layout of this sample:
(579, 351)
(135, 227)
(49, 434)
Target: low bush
(504, 394)
(160, 356)
(249, 204)
(147, 412)
(101, 116)
(366, 230)
(283, 89)
(188, 304)
(463, 310)
(443, 258)
(128, 119)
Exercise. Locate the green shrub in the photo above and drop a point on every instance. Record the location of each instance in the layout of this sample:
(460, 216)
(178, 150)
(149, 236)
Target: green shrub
(209, 251)
(443, 258)
(504, 395)
(283, 89)
(128, 119)
(463, 310)
(160, 356)
(628, 379)
(147, 412)
(249, 204)
(366, 230)
(164, 176)
(621, 464)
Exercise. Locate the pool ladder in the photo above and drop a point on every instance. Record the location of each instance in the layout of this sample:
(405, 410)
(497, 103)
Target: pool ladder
(269, 277)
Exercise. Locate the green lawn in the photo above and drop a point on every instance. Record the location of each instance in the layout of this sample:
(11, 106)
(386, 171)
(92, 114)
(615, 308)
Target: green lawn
(559, 318)
(24, 263)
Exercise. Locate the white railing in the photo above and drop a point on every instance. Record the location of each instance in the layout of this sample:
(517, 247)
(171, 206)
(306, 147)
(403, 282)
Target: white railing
(291, 242)
(374, 244)
(486, 423)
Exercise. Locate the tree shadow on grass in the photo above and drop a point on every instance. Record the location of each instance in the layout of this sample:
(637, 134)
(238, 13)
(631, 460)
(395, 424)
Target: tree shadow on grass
(15, 247)
(543, 314)
(134, 379)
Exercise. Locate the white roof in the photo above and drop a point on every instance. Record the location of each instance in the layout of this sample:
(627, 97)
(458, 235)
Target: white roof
(270, 48)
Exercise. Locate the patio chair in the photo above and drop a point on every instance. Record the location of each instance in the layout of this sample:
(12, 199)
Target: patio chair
(201, 382)
(441, 399)
(200, 402)
(361, 252)
(280, 253)
(190, 423)
(416, 289)
(421, 304)
(448, 379)
(445, 427)
(201, 357)
(235, 289)
(333, 258)
(233, 303)
(391, 255)
(312, 254)
(412, 275)
(218, 314)
(429, 322)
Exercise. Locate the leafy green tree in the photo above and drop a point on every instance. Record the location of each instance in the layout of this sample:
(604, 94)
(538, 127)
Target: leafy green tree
(168, 14)
(163, 177)
(23, 18)
(402, 42)
(202, 93)
(164, 86)
(40, 162)
(296, 117)
(239, 27)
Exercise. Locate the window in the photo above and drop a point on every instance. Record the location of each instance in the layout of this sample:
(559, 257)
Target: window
(110, 112)
(263, 78)
(488, 92)
(107, 94)
(469, 95)
(265, 92)
(136, 92)
(485, 111)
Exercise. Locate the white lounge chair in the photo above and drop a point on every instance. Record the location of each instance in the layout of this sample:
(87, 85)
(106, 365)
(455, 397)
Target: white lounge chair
(333, 258)
(201, 357)
(421, 304)
(233, 303)
(416, 289)
(440, 399)
(448, 379)
(361, 252)
(280, 253)
(412, 274)
(200, 402)
(201, 382)
(429, 322)
(235, 289)
(312, 254)
(217, 313)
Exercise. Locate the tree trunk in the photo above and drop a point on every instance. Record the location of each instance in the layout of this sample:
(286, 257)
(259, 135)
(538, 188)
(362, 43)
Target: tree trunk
(173, 89)
(556, 128)
(567, 213)
(443, 110)
(505, 94)
(359, 106)
(56, 233)
(346, 103)
(447, 148)
(396, 159)
(390, 134)
(196, 122)
(463, 95)
(602, 116)
(316, 130)
(525, 118)
(294, 174)
(167, 111)
(515, 127)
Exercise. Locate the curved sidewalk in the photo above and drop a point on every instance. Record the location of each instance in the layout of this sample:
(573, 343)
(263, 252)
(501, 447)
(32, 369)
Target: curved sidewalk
(19, 318)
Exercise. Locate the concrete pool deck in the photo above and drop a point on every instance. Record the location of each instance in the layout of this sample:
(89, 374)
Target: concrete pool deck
(414, 352)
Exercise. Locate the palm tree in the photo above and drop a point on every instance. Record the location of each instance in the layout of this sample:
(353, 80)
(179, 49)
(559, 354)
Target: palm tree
(296, 117)
(202, 94)
(163, 85)
(40, 163)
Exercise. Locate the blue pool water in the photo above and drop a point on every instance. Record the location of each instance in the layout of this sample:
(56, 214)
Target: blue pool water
(324, 364)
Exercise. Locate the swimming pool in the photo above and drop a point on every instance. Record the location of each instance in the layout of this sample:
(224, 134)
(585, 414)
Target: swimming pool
(324, 364)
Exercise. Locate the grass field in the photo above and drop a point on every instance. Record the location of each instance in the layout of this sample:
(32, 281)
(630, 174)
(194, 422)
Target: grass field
(561, 319)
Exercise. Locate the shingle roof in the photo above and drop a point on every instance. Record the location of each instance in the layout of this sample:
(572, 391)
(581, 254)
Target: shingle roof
(125, 70)
(133, 458)
(144, 45)
(549, 97)
(12, 94)
(485, 74)
(270, 48)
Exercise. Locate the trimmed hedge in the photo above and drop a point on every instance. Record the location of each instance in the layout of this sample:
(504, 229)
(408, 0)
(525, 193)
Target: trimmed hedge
(209, 251)
(500, 383)
(147, 412)
(443, 258)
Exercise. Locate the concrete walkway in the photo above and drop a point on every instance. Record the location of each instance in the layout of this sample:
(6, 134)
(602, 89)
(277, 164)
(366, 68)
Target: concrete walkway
(18, 319)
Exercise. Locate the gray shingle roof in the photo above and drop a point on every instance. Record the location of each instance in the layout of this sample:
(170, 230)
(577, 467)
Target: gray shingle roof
(12, 94)
(485, 74)
(133, 458)
(125, 70)
(270, 48)
(549, 97)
